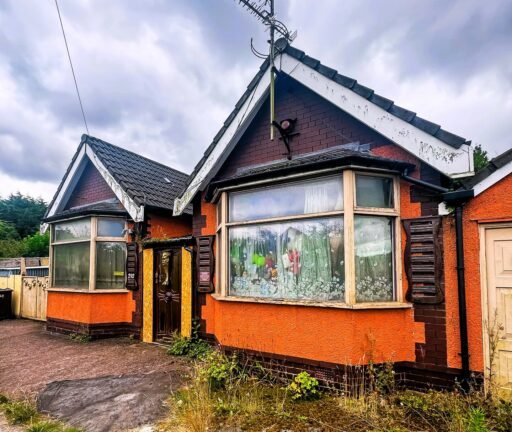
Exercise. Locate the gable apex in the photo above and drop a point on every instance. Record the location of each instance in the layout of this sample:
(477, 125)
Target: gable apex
(446, 152)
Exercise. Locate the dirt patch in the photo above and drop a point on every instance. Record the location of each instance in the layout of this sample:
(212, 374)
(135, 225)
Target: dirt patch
(31, 358)
(109, 403)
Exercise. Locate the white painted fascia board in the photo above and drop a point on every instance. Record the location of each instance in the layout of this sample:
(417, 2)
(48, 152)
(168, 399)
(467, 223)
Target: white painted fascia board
(450, 161)
(243, 113)
(70, 178)
(135, 211)
(494, 178)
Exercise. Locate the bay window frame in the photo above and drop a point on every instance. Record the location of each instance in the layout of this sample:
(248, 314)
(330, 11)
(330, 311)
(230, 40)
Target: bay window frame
(93, 240)
(348, 213)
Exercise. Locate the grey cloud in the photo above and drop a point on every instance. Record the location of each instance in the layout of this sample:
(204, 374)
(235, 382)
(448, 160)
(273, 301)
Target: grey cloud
(160, 77)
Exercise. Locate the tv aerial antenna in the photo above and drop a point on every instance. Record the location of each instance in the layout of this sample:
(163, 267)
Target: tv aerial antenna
(263, 10)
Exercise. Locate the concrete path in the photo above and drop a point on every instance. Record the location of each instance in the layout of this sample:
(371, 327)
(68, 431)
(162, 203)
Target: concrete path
(105, 385)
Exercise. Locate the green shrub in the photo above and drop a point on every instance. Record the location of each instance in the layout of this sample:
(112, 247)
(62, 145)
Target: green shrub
(192, 347)
(19, 412)
(3, 399)
(476, 421)
(304, 387)
(218, 369)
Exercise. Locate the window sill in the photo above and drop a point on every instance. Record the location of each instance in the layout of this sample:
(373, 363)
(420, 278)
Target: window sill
(334, 305)
(87, 291)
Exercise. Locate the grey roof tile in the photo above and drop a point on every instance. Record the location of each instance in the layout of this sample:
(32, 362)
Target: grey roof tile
(142, 179)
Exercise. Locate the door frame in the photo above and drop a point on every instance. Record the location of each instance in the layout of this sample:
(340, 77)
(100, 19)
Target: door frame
(156, 254)
(482, 230)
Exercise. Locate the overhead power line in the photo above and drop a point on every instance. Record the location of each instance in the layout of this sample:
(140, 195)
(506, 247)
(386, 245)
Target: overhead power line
(72, 69)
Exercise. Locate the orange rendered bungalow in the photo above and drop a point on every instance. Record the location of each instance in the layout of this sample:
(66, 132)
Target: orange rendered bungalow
(111, 216)
(348, 237)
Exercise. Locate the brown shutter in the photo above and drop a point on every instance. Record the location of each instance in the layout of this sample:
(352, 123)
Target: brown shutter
(205, 264)
(132, 266)
(424, 260)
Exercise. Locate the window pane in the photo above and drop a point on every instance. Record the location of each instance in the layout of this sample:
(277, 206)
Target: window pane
(374, 191)
(374, 258)
(293, 260)
(110, 265)
(110, 227)
(307, 197)
(71, 265)
(73, 230)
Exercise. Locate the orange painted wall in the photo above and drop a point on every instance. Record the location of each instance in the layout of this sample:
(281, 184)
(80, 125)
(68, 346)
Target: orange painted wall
(91, 308)
(166, 226)
(492, 204)
(323, 334)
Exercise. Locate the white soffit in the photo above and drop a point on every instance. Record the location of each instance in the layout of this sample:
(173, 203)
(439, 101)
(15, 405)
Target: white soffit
(135, 211)
(494, 178)
(243, 113)
(444, 158)
(70, 181)
(450, 161)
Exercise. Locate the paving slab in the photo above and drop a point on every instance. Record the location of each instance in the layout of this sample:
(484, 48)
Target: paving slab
(112, 403)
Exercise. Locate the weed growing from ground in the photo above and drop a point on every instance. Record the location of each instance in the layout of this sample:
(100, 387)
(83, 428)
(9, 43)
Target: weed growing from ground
(79, 337)
(304, 387)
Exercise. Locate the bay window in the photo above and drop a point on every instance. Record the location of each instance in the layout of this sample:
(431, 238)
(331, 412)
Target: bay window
(328, 239)
(89, 253)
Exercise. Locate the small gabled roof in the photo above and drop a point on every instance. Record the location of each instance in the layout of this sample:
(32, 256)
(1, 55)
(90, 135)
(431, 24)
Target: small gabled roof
(497, 169)
(445, 151)
(138, 182)
(145, 181)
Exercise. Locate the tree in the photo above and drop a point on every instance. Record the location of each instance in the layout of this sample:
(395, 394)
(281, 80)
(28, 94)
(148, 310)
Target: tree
(24, 212)
(36, 245)
(8, 231)
(480, 158)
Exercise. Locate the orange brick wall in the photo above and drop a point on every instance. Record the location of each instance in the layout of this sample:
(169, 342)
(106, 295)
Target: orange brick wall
(490, 205)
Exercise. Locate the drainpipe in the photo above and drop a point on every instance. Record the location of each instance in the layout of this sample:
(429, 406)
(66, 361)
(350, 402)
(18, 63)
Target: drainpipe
(456, 198)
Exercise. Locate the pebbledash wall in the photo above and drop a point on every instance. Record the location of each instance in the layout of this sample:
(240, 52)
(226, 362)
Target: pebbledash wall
(423, 337)
(103, 314)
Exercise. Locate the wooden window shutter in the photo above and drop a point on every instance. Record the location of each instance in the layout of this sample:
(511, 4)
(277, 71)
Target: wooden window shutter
(424, 260)
(132, 266)
(205, 264)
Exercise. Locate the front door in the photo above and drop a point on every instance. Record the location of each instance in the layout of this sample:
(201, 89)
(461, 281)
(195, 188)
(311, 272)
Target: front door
(498, 254)
(167, 293)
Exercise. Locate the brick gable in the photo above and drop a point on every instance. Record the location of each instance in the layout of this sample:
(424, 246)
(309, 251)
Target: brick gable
(320, 125)
(90, 188)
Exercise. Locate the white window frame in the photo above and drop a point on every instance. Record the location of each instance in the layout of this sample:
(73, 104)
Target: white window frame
(349, 211)
(93, 240)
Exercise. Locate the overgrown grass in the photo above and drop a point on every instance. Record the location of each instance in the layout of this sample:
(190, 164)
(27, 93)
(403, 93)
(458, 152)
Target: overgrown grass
(224, 394)
(24, 413)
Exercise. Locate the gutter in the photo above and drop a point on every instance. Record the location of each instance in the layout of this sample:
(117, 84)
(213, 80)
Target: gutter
(457, 198)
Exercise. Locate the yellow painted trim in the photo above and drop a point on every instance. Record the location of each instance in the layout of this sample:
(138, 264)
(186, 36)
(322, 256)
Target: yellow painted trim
(147, 296)
(186, 293)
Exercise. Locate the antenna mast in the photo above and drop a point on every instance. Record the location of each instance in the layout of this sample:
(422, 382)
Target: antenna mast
(267, 17)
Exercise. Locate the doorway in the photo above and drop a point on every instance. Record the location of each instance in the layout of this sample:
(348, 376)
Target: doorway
(167, 294)
(497, 303)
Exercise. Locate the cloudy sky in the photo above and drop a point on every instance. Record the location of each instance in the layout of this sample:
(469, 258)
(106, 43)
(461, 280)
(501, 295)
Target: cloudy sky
(160, 76)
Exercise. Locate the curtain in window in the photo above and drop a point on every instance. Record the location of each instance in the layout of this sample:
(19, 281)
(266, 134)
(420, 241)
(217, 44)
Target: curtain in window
(71, 265)
(292, 260)
(373, 258)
